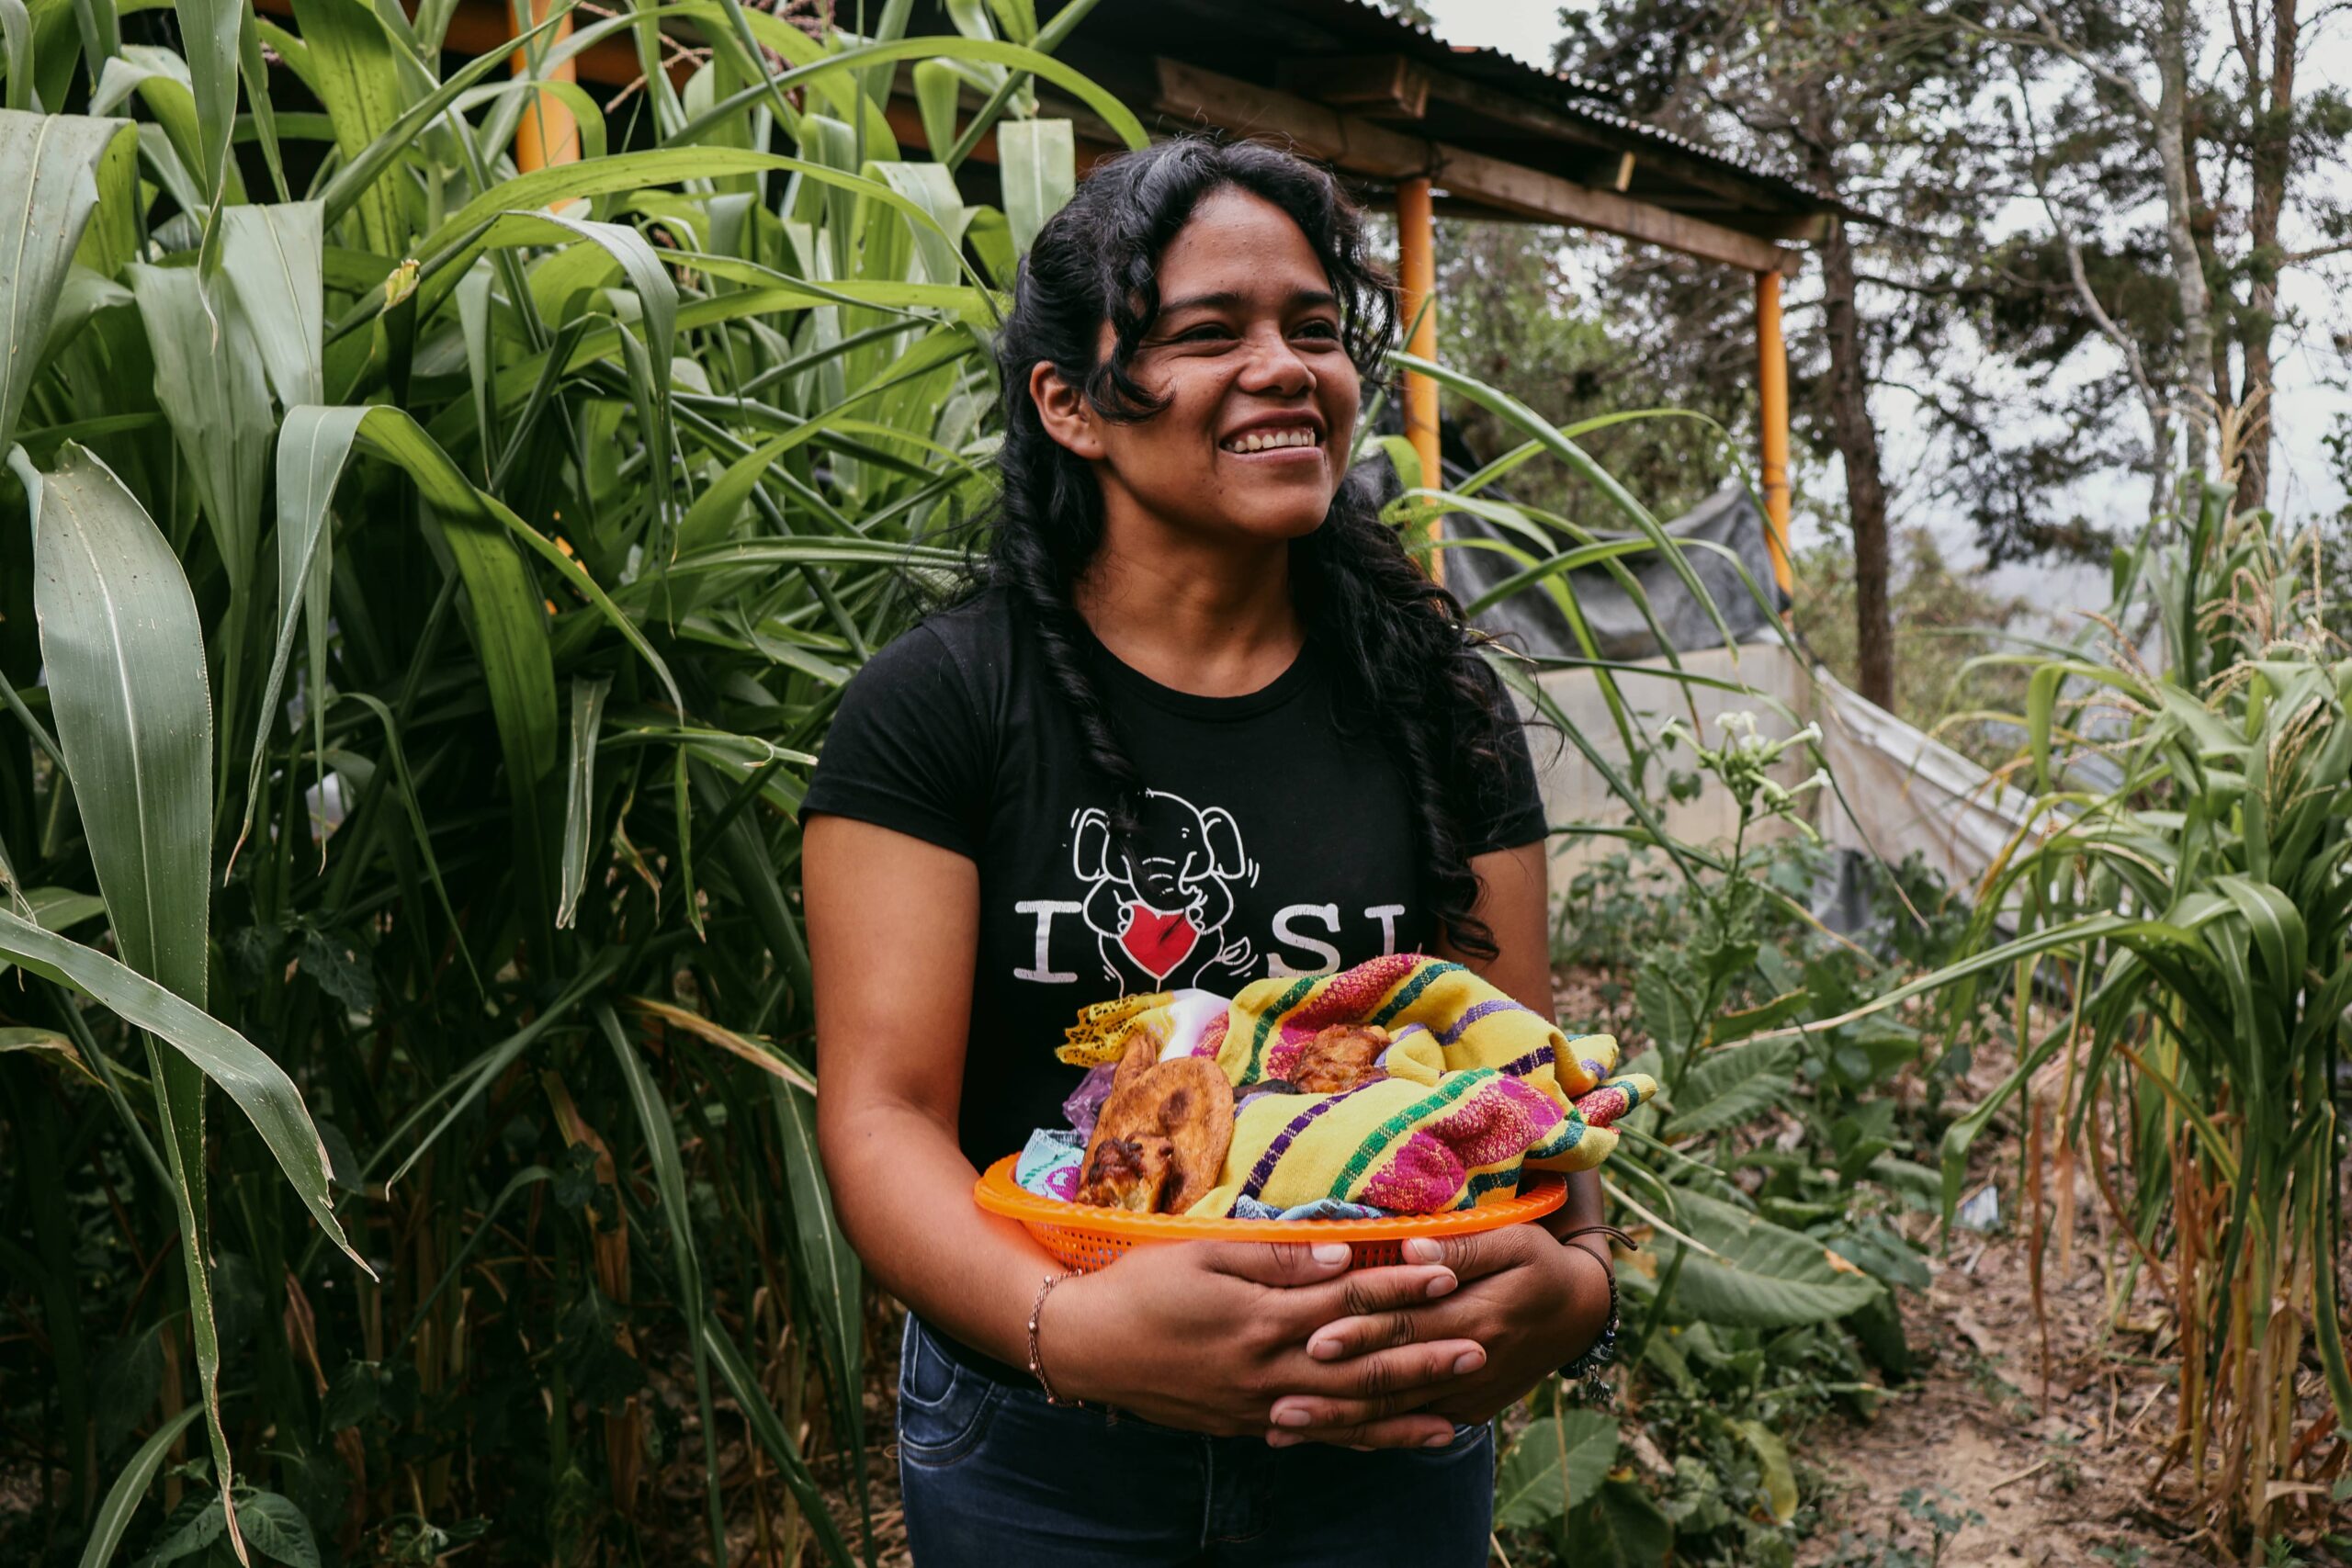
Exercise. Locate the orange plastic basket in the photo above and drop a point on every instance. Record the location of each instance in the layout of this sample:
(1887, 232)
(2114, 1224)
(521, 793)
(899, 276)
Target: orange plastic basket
(1084, 1238)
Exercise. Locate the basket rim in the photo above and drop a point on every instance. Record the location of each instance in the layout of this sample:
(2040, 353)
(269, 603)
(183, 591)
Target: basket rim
(996, 1194)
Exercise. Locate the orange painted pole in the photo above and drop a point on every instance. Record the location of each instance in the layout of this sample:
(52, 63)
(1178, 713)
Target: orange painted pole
(548, 132)
(1416, 290)
(1773, 419)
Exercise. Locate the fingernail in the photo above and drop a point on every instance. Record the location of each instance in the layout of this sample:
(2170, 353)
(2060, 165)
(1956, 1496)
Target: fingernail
(1283, 1439)
(1330, 1252)
(1468, 1361)
(1421, 1249)
(1442, 1283)
(1438, 1439)
(1323, 1349)
(1290, 1416)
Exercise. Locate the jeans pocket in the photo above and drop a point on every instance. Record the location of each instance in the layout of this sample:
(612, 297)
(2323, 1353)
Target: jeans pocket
(1464, 1439)
(944, 1407)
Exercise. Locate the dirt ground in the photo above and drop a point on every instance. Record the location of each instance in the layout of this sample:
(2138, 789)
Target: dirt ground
(2061, 1481)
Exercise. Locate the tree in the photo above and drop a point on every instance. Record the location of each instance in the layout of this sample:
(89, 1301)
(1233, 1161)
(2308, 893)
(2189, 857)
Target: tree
(1515, 316)
(2251, 171)
(1857, 89)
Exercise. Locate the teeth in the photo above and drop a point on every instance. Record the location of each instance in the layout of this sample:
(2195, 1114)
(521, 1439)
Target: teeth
(1266, 440)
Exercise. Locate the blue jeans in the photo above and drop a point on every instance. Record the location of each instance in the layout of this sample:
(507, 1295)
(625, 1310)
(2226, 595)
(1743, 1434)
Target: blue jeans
(993, 1475)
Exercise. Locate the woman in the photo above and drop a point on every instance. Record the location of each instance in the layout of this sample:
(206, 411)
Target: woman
(1201, 720)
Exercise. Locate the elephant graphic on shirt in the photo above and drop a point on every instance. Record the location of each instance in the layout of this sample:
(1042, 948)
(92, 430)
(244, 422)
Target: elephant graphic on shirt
(1159, 905)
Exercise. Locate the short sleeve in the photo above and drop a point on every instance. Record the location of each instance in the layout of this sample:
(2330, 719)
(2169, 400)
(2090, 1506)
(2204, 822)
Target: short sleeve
(1506, 811)
(907, 750)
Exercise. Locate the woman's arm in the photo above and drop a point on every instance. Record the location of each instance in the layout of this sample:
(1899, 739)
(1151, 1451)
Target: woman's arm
(1532, 1302)
(1199, 1335)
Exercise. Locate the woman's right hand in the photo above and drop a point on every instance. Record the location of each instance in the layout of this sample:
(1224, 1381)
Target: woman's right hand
(1206, 1336)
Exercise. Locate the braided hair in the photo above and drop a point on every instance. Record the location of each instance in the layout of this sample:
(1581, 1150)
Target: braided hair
(1402, 646)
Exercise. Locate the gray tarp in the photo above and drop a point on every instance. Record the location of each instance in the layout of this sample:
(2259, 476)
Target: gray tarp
(1533, 624)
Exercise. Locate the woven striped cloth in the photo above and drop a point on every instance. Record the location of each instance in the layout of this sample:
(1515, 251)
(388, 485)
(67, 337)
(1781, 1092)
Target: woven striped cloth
(1477, 1086)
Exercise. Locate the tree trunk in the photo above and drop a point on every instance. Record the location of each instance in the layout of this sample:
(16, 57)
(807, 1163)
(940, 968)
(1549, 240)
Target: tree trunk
(1857, 437)
(2180, 227)
(2272, 124)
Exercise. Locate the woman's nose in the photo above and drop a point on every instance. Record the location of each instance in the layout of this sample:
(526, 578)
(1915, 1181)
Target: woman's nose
(1275, 369)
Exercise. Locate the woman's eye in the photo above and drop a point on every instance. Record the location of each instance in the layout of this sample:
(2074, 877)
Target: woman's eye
(1326, 331)
(1207, 331)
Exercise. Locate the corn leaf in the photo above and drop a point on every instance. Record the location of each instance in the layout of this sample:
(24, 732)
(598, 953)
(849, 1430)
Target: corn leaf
(215, 395)
(48, 168)
(1039, 158)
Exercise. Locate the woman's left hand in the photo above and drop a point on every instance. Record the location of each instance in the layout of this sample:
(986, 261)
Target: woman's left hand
(1534, 1303)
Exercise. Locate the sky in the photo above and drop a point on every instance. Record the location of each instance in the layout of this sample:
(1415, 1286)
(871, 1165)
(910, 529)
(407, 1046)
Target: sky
(2305, 405)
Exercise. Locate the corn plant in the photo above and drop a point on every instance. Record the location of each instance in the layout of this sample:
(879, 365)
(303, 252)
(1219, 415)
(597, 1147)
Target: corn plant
(423, 583)
(2192, 908)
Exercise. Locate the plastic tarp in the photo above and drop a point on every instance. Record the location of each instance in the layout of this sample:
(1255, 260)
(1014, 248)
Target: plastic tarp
(1909, 791)
(1532, 623)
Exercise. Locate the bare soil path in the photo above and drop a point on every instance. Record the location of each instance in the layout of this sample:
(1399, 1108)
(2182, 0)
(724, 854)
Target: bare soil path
(2060, 1480)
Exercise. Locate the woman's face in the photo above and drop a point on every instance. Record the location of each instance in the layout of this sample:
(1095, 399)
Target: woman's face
(1261, 395)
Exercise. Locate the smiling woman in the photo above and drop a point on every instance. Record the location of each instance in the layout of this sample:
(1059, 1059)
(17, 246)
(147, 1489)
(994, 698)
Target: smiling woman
(1200, 720)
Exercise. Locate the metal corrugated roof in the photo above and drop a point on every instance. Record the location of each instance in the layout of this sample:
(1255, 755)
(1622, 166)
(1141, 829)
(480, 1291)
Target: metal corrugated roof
(1563, 92)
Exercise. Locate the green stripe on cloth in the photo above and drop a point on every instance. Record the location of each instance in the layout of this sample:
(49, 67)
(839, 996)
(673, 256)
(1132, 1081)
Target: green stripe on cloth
(1266, 1020)
(1411, 989)
(1385, 1133)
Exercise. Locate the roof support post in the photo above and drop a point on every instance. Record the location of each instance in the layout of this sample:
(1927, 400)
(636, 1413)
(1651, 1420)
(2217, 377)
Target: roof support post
(1773, 422)
(1416, 286)
(548, 132)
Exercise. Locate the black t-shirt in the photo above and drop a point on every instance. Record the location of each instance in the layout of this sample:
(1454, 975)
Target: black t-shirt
(1272, 843)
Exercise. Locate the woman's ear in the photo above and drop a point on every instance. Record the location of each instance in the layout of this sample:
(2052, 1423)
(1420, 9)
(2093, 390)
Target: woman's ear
(1067, 417)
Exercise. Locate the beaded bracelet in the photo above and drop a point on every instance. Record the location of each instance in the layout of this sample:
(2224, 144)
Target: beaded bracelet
(1037, 1362)
(1588, 1367)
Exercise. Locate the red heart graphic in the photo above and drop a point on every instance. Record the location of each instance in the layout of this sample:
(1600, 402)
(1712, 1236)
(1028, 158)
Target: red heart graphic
(1158, 942)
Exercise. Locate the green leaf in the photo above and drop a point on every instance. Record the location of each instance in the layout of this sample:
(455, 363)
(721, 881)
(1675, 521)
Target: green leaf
(821, 1255)
(129, 1489)
(211, 385)
(1557, 1463)
(1039, 161)
(271, 257)
(124, 657)
(276, 1528)
(1772, 1458)
(209, 37)
(48, 176)
(580, 791)
(126, 681)
(508, 622)
(356, 65)
(1728, 1087)
(16, 33)
(1756, 1274)
(936, 87)
(311, 450)
(1624, 1528)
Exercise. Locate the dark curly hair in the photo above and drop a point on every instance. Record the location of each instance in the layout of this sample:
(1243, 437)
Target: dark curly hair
(1406, 651)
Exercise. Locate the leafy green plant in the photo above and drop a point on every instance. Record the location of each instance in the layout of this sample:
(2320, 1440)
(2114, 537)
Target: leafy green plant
(423, 583)
(2185, 887)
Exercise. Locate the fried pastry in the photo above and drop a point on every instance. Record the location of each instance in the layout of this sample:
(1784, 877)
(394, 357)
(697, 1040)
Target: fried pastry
(1344, 1057)
(1127, 1173)
(1184, 1105)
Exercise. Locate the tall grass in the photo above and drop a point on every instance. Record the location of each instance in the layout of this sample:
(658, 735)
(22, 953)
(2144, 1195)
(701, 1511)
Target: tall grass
(423, 585)
(2183, 889)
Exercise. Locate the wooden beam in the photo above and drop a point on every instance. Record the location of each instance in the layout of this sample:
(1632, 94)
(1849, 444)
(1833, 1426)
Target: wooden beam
(1358, 146)
(1386, 86)
(1416, 296)
(1773, 422)
(548, 132)
(1682, 167)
